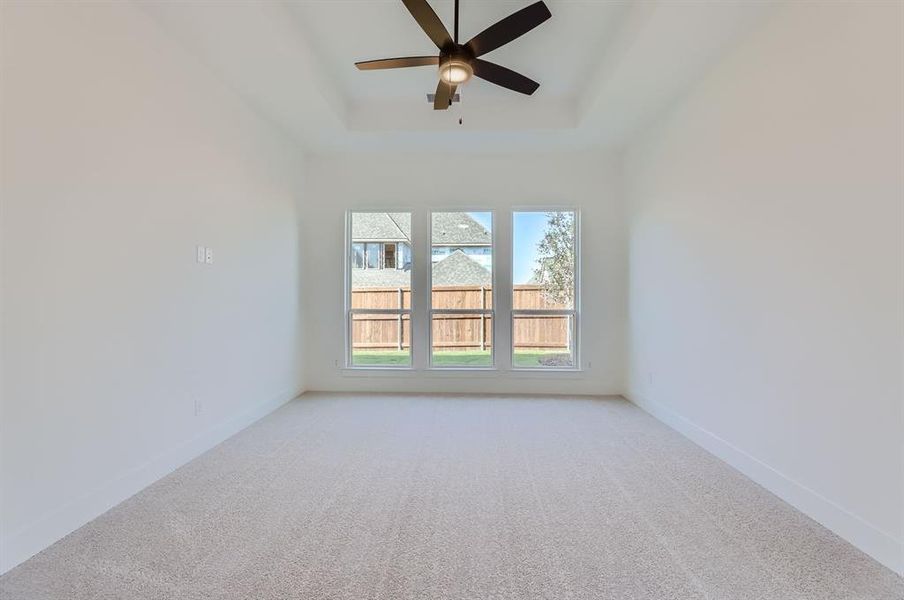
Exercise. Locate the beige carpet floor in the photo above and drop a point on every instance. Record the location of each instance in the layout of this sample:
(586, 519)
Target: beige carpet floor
(430, 497)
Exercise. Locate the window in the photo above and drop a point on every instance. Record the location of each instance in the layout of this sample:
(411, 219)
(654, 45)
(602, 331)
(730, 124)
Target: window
(459, 321)
(378, 306)
(373, 256)
(404, 260)
(389, 256)
(544, 277)
(461, 311)
(357, 256)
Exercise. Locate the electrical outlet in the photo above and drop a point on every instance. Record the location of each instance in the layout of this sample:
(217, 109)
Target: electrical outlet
(208, 256)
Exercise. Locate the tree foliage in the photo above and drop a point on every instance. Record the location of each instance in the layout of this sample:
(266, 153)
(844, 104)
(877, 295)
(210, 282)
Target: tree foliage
(555, 259)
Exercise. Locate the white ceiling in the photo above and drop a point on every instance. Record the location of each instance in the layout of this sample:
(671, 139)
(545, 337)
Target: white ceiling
(605, 68)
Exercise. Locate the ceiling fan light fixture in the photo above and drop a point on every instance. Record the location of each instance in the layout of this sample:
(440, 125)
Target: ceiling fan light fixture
(455, 71)
(458, 62)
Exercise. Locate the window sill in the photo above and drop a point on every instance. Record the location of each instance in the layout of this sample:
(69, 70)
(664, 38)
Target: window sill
(375, 370)
(409, 371)
(575, 373)
(457, 372)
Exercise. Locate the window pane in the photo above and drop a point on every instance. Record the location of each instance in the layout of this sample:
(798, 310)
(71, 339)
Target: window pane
(462, 257)
(543, 257)
(389, 256)
(381, 340)
(373, 256)
(357, 256)
(462, 340)
(404, 261)
(543, 341)
(374, 287)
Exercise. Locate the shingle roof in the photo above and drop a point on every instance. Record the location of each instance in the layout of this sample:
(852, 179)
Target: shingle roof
(449, 228)
(459, 229)
(460, 269)
(456, 269)
(403, 222)
(376, 278)
(381, 227)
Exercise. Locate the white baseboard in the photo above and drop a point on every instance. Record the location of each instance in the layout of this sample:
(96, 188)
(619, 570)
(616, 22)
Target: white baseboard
(30, 539)
(882, 546)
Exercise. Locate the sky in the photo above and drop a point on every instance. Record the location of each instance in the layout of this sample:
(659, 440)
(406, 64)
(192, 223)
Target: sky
(528, 231)
(529, 228)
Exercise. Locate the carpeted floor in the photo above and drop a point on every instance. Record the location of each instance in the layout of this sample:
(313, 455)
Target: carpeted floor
(430, 497)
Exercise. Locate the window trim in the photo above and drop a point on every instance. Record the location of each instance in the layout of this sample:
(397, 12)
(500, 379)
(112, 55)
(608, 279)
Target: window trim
(574, 311)
(347, 304)
(491, 312)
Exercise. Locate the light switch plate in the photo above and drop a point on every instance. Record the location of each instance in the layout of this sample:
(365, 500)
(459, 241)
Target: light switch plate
(201, 253)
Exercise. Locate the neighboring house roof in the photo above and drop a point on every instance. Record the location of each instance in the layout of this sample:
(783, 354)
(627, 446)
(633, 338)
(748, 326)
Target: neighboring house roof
(381, 227)
(449, 229)
(459, 229)
(456, 269)
(403, 222)
(460, 269)
(376, 278)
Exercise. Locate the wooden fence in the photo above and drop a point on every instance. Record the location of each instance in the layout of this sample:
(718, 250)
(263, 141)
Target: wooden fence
(456, 331)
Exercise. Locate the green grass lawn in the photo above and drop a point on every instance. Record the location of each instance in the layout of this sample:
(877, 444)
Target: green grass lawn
(381, 358)
(464, 358)
(467, 358)
(397, 358)
(532, 358)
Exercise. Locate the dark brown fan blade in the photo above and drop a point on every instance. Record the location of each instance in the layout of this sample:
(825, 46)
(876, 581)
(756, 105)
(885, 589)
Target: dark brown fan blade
(509, 28)
(429, 22)
(397, 63)
(504, 77)
(444, 93)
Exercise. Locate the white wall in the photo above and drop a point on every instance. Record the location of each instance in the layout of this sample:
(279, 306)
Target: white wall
(766, 301)
(120, 154)
(586, 181)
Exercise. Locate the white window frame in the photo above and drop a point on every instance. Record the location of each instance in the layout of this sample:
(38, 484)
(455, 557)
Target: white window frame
(491, 312)
(350, 312)
(574, 312)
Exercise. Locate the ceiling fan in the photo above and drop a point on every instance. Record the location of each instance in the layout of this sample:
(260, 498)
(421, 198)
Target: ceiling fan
(459, 62)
